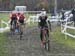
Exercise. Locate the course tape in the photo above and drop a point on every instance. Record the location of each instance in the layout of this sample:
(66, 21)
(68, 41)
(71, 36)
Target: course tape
(5, 28)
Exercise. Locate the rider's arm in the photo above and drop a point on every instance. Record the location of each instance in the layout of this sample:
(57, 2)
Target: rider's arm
(24, 19)
(39, 21)
(10, 17)
(49, 24)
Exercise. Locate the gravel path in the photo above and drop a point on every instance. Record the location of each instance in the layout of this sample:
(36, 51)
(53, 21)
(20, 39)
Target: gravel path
(30, 46)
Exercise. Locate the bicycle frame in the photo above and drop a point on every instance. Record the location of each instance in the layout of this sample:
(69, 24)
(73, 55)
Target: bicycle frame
(44, 33)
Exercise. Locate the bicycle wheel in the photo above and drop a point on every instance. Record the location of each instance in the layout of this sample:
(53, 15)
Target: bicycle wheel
(12, 33)
(47, 44)
(20, 31)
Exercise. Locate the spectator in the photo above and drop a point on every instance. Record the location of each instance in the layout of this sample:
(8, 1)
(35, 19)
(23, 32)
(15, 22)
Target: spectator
(62, 12)
(73, 12)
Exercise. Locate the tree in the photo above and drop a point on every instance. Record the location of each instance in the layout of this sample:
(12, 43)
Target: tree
(5, 4)
(43, 4)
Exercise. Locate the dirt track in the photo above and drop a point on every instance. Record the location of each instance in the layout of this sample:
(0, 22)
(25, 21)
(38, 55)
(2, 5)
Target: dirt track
(30, 46)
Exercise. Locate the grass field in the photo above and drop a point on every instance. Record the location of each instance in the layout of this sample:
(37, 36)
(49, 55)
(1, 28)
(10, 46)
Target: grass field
(71, 31)
(3, 42)
(2, 25)
(4, 16)
(60, 38)
(3, 38)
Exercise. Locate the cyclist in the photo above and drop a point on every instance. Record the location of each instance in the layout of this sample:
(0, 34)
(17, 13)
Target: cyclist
(21, 18)
(13, 18)
(21, 22)
(43, 24)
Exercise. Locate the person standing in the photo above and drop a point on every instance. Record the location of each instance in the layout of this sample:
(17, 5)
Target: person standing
(73, 12)
(63, 16)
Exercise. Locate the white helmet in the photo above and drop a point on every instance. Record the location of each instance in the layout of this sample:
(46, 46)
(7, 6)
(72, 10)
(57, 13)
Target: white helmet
(14, 12)
(43, 13)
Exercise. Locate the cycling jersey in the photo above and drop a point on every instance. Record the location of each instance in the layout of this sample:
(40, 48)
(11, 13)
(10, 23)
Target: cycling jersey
(21, 17)
(43, 22)
(13, 17)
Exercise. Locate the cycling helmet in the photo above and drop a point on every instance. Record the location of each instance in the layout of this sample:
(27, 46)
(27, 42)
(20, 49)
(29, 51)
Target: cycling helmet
(43, 13)
(18, 13)
(13, 13)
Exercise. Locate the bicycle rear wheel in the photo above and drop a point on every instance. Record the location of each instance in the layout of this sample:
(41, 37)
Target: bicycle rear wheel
(21, 35)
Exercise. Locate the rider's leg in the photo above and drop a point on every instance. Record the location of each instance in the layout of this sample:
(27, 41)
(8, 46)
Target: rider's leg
(21, 26)
(47, 32)
(15, 21)
(41, 36)
(11, 24)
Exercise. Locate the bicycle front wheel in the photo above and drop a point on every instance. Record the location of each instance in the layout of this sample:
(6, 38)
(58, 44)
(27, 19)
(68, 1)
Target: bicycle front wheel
(47, 44)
